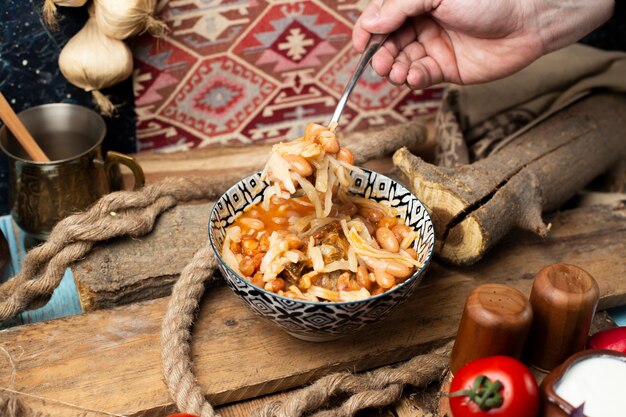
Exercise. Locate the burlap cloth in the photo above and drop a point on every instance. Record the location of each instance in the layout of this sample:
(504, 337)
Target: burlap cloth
(477, 120)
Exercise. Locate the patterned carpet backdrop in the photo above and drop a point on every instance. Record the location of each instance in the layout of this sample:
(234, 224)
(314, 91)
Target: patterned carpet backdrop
(238, 72)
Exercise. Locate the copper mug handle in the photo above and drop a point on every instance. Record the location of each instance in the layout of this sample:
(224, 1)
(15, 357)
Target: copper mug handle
(113, 158)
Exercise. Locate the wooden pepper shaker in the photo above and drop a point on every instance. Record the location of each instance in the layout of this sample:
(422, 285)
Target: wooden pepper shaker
(564, 299)
(496, 320)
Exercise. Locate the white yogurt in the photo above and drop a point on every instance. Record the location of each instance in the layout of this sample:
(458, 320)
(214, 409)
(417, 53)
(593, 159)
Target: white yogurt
(600, 383)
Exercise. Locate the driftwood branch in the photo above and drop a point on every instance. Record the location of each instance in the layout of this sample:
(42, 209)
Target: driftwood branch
(474, 206)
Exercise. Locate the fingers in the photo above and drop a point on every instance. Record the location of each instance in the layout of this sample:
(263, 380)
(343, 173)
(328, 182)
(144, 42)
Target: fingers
(424, 73)
(389, 15)
(417, 75)
(418, 53)
(438, 63)
(394, 49)
(382, 62)
(400, 48)
(360, 36)
(400, 70)
(419, 63)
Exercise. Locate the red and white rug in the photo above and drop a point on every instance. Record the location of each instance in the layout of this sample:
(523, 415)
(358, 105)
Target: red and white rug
(238, 72)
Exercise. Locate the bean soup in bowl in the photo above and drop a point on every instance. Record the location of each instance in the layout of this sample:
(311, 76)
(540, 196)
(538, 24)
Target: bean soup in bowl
(318, 245)
(323, 319)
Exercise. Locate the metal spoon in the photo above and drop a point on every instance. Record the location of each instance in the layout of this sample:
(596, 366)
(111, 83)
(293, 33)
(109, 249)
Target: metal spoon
(373, 45)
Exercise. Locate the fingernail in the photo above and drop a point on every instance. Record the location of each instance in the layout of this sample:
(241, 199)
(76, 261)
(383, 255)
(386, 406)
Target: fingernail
(372, 17)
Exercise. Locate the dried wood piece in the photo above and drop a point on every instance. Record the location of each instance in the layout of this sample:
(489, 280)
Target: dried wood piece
(130, 270)
(474, 206)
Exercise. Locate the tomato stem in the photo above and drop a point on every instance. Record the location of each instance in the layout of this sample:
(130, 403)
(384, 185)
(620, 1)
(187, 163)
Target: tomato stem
(484, 393)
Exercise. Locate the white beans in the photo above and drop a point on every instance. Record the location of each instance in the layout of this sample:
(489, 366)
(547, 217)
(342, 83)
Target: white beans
(384, 279)
(251, 223)
(363, 278)
(346, 156)
(400, 231)
(278, 200)
(299, 165)
(280, 220)
(313, 129)
(398, 269)
(387, 240)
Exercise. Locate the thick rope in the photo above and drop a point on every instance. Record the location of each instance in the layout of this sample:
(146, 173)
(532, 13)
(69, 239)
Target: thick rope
(377, 388)
(124, 213)
(176, 334)
(374, 389)
(12, 406)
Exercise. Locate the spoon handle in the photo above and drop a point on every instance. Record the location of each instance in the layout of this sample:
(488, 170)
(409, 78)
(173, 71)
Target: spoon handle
(19, 131)
(375, 42)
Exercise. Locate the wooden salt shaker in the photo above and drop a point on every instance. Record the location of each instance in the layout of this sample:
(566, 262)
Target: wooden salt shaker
(564, 299)
(496, 320)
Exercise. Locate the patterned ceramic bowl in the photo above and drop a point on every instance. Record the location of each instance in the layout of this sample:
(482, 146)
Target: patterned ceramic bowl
(321, 321)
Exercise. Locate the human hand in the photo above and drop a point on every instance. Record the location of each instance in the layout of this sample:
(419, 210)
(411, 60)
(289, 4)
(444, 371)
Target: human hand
(470, 41)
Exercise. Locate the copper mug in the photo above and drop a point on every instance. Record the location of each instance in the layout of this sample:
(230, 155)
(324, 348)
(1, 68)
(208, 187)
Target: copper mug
(42, 193)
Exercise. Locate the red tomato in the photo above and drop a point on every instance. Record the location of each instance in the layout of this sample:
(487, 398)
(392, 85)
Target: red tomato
(503, 385)
(611, 339)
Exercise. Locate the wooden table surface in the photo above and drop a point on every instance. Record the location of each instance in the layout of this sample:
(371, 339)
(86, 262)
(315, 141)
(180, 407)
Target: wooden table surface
(90, 365)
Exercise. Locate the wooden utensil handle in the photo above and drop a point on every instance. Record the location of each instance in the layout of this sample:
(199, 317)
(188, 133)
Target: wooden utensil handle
(19, 131)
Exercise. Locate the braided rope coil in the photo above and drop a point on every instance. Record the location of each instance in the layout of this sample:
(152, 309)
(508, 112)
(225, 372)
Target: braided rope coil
(123, 213)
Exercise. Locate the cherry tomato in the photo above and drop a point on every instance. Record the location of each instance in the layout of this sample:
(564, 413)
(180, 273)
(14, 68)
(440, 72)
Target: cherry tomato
(494, 386)
(611, 339)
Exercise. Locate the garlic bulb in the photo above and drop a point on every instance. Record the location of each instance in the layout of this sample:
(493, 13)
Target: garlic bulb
(120, 19)
(50, 9)
(92, 61)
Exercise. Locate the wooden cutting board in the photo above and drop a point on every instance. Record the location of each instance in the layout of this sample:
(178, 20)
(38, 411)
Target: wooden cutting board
(108, 362)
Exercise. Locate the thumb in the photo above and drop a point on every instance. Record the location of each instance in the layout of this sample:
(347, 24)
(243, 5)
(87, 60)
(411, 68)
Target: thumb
(391, 14)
